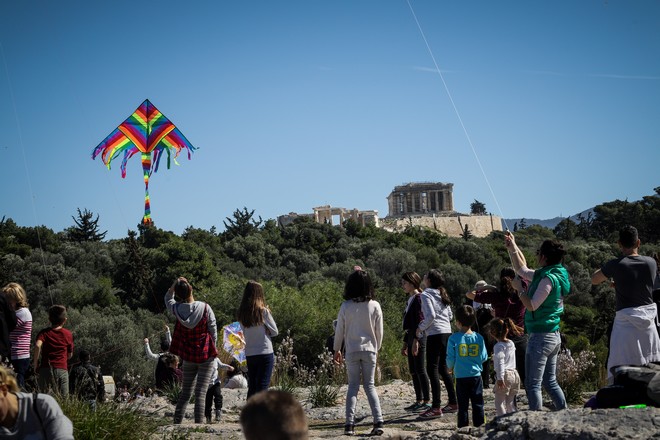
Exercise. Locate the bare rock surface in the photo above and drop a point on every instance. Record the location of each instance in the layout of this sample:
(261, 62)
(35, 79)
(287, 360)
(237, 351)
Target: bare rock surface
(328, 423)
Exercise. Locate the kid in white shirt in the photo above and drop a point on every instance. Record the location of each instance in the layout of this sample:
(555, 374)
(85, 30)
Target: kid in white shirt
(504, 360)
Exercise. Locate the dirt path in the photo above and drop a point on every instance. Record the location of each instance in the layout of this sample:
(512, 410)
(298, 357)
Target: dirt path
(324, 423)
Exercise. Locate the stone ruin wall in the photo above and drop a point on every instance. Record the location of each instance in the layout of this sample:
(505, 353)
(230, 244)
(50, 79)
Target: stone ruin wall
(478, 225)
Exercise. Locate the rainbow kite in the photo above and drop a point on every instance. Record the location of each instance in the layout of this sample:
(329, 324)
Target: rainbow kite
(146, 131)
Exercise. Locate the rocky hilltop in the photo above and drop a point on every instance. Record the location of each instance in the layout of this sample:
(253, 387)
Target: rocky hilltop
(328, 423)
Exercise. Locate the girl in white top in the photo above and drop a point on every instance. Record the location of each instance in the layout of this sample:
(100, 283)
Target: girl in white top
(360, 329)
(258, 327)
(504, 360)
(21, 336)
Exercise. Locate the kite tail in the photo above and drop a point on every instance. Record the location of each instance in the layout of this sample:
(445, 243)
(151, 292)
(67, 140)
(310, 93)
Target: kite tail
(146, 171)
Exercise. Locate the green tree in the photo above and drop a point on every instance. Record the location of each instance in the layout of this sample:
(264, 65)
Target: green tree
(134, 277)
(466, 234)
(566, 229)
(152, 237)
(477, 208)
(86, 227)
(9, 239)
(242, 225)
(585, 226)
(389, 264)
(253, 252)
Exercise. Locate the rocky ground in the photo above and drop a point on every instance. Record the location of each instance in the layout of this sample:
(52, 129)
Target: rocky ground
(328, 423)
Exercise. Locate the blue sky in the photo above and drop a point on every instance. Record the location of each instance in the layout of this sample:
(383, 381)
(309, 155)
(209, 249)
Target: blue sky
(296, 104)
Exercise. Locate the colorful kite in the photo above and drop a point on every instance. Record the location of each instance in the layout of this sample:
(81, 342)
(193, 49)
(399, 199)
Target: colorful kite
(233, 341)
(150, 133)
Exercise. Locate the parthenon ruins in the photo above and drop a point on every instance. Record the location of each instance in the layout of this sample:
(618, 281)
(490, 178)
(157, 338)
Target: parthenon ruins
(333, 215)
(421, 198)
(424, 204)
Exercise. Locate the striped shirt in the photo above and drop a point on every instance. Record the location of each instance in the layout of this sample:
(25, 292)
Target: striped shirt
(20, 336)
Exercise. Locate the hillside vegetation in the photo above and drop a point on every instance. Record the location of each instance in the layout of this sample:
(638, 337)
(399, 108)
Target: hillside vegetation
(114, 289)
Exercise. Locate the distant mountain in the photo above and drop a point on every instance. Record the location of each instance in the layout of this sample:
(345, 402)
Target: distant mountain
(550, 223)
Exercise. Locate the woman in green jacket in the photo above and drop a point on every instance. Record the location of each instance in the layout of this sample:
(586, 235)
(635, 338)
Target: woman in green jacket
(544, 301)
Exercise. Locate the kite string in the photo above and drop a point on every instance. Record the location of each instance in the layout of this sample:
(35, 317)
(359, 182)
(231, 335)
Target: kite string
(458, 115)
(27, 171)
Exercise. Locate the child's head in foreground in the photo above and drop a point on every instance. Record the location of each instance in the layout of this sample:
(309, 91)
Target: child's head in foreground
(274, 415)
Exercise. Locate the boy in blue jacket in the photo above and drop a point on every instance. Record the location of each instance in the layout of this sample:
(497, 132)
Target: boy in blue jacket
(466, 352)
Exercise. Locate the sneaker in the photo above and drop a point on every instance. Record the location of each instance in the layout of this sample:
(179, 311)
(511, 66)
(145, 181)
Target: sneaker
(208, 420)
(349, 430)
(218, 415)
(431, 413)
(412, 407)
(422, 407)
(378, 429)
(450, 408)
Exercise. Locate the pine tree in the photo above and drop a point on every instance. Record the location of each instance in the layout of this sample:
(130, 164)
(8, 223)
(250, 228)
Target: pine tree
(86, 228)
(134, 277)
(477, 208)
(242, 224)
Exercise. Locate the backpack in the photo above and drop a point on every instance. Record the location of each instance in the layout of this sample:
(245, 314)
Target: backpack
(632, 385)
(88, 383)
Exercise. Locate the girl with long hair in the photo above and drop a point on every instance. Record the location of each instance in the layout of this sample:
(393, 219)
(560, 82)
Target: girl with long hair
(21, 335)
(414, 348)
(360, 329)
(258, 329)
(436, 326)
(507, 380)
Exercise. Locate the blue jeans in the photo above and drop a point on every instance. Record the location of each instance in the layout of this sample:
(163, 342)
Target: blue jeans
(540, 367)
(260, 368)
(361, 363)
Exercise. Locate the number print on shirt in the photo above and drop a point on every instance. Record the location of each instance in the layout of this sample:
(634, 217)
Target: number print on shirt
(470, 350)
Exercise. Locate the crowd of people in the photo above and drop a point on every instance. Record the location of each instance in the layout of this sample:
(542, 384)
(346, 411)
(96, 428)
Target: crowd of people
(513, 326)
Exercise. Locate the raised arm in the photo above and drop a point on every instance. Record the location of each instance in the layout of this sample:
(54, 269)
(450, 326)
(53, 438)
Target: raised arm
(517, 257)
(170, 302)
(168, 335)
(147, 351)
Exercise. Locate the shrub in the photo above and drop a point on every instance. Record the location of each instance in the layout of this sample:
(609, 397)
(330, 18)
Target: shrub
(286, 365)
(324, 390)
(571, 372)
(111, 420)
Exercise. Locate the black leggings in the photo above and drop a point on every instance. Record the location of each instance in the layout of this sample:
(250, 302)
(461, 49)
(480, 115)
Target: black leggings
(213, 395)
(418, 371)
(436, 366)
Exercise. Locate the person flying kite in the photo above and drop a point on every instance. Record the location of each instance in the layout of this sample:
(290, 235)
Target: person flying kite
(150, 133)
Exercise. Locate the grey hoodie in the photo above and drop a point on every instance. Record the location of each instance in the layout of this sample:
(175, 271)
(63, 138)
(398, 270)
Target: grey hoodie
(437, 315)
